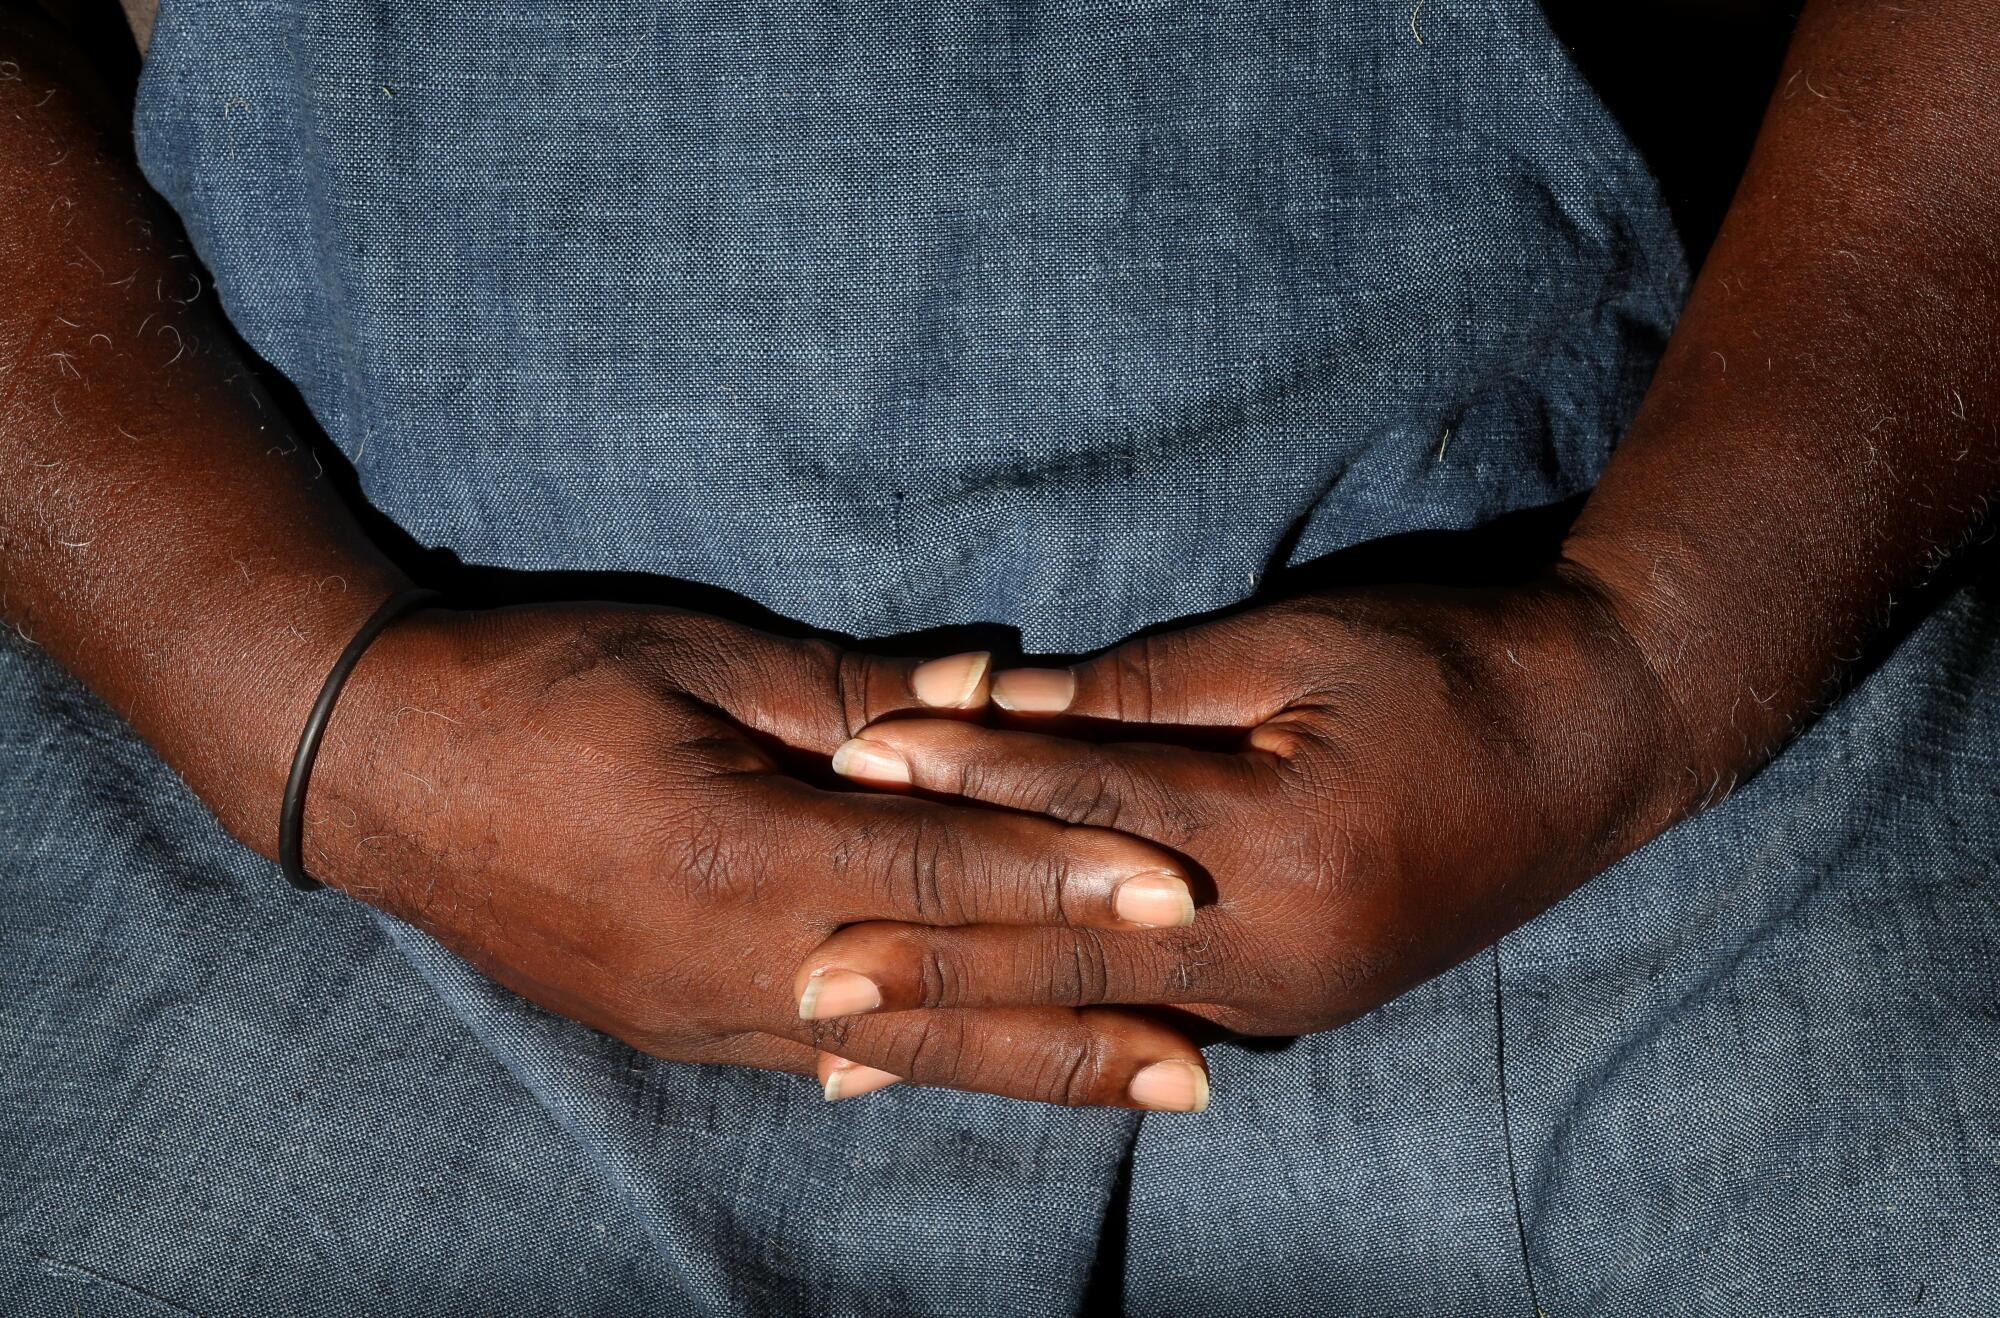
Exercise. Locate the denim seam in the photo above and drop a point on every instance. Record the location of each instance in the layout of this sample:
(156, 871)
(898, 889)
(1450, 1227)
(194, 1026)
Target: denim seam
(1507, 1133)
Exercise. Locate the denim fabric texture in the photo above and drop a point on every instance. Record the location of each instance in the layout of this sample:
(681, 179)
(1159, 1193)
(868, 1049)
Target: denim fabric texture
(1068, 317)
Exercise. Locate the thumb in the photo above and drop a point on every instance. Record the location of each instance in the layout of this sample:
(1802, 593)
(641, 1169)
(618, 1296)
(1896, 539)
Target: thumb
(1218, 675)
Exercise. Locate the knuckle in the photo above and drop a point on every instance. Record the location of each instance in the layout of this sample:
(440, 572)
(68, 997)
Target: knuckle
(860, 682)
(935, 1048)
(1074, 1076)
(1066, 1075)
(1129, 670)
(848, 850)
(938, 982)
(1054, 878)
(1103, 791)
(1075, 969)
(1093, 794)
(1031, 884)
(911, 864)
(932, 865)
(940, 1048)
(1145, 680)
(984, 780)
(847, 673)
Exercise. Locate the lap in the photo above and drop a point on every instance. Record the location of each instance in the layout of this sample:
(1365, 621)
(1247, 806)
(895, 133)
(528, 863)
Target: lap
(1751, 1069)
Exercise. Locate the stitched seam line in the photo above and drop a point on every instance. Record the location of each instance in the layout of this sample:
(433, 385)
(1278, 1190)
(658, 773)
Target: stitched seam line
(1507, 1135)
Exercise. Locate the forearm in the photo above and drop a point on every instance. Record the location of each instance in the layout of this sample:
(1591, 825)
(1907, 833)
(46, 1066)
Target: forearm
(1820, 433)
(163, 534)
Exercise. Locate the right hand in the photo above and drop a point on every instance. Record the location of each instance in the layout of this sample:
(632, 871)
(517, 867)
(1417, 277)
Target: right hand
(586, 802)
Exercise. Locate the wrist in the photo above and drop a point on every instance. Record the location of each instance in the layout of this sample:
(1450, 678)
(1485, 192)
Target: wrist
(389, 755)
(1724, 706)
(236, 693)
(1614, 752)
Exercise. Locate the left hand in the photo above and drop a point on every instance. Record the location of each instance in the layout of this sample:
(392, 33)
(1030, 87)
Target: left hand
(1415, 772)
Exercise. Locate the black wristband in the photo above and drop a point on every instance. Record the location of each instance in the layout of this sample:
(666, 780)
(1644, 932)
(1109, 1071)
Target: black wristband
(291, 814)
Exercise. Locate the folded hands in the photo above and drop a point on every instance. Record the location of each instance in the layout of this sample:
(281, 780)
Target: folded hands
(1267, 824)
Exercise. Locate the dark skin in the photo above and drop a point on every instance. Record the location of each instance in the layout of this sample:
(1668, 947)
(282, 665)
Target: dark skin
(584, 800)
(1421, 770)
(1417, 771)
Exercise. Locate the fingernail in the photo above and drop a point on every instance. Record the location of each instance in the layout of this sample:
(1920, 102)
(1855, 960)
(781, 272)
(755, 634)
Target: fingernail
(1171, 1087)
(852, 1080)
(870, 760)
(1158, 901)
(952, 682)
(838, 993)
(1034, 690)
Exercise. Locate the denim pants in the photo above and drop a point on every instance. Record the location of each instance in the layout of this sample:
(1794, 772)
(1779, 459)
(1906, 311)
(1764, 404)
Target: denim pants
(1065, 318)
